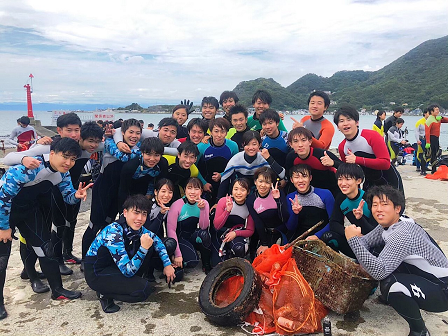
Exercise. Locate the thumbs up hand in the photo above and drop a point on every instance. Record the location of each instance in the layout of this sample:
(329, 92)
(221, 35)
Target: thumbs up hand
(326, 160)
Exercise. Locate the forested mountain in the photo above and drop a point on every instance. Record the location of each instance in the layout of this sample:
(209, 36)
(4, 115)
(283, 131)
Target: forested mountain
(419, 77)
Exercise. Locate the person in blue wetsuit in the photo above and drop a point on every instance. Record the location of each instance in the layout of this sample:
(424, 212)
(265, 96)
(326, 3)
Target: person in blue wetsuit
(25, 204)
(245, 163)
(308, 205)
(349, 204)
(214, 155)
(268, 209)
(119, 255)
(105, 190)
(274, 140)
(188, 223)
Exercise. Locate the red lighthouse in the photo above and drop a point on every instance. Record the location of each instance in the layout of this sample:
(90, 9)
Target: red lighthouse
(29, 90)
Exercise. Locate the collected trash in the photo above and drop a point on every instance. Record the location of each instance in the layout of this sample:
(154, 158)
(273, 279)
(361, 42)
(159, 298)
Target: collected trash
(339, 283)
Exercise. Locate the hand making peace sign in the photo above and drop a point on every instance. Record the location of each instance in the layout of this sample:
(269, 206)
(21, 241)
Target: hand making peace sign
(275, 192)
(296, 207)
(358, 212)
(81, 193)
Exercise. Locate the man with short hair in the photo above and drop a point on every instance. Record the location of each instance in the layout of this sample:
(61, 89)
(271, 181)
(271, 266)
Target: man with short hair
(261, 101)
(238, 118)
(392, 120)
(214, 155)
(432, 130)
(196, 130)
(395, 138)
(411, 267)
(420, 137)
(209, 107)
(274, 140)
(228, 99)
(24, 133)
(320, 127)
(25, 204)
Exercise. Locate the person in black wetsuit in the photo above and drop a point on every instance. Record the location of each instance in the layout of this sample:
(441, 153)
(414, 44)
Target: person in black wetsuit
(209, 108)
(180, 114)
(308, 205)
(322, 162)
(349, 204)
(411, 267)
(238, 118)
(139, 174)
(268, 209)
(25, 204)
(197, 128)
(228, 99)
(391, 121)
(120, 254)
(214, 155)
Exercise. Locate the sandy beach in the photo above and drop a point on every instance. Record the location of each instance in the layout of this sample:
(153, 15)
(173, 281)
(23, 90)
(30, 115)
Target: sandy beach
(175, 311)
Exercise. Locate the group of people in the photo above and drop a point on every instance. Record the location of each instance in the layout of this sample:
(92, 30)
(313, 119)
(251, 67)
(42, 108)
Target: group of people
(212, 189)
(427, 134)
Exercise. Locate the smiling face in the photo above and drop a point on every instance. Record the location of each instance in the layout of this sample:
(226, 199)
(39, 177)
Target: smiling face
(301, 181)
(260, 106)
(227, 104)
(70, 131)
(208, 111)
(301, 145)
(239, 121)
(348, 126)
(196, 134)
(218, 135)
(180, 115)
(384, 211)
(135, 218)
(167, 134)
(62, 162)
(90, 144)
(263, 185)
(164, 194)
(252, 148)
(349, 186)
(270, 127)
(132, 135)
(239, 193)
(151, 159)
(192, 193)
(316, 107)
(186, 160)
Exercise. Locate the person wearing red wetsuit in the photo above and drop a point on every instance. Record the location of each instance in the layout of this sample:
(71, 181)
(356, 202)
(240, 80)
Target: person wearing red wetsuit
(25, 134)
(321, 128)
(366, 148)
(432, 130)
(323, 163)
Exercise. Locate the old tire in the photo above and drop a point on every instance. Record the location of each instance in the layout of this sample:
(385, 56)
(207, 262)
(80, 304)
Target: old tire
(238, 310)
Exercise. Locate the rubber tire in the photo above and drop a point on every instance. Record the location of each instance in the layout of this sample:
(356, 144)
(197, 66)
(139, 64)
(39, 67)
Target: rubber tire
(245, 303)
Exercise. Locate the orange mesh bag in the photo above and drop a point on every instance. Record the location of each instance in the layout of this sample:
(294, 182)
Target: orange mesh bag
(287, 304)
(229, 291)
(295, 308)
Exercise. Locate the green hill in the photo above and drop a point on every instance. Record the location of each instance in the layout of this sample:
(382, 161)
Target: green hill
(420, 77)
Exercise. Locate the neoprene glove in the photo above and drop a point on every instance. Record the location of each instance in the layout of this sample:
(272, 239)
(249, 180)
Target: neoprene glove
(188, 104)
(438, 118)
(428, 145)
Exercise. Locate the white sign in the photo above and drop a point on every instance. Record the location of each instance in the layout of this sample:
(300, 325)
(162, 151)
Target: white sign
(85, 116)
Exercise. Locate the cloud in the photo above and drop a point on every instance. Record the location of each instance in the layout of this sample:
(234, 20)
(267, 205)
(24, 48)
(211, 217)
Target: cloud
(118, 52)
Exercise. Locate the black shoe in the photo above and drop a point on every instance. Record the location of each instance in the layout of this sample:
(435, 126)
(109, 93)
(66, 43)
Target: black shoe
(206, 269)
(39, 287)
(24, 275)
(64, 270)
(64, 294)
(108, 305)
(81, 267)
(150, 277)
(420, 333)
(423, 173)
(70, 258)
(417, 170)
(3, 312)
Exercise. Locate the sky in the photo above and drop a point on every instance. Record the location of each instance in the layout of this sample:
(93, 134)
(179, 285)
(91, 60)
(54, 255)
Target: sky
(152, 52)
